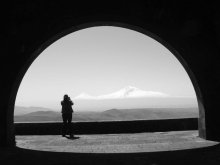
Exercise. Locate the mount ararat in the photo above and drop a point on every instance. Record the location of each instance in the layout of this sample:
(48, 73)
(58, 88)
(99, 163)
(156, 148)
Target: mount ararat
(126, 92)
(131, 97)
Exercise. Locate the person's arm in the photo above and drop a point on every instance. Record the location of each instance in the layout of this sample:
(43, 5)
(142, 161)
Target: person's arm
(71, 102)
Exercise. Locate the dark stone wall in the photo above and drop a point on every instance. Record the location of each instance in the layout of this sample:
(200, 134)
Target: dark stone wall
(111, 127)
(190, 28)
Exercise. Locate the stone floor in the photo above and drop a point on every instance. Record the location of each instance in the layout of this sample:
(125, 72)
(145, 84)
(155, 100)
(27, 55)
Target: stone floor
(161, 148)
(115, 143)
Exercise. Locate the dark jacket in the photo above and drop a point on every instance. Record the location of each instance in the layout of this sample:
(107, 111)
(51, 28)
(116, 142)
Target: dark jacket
(67, 106)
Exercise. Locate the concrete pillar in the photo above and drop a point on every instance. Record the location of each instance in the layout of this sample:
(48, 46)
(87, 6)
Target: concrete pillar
(7, 138)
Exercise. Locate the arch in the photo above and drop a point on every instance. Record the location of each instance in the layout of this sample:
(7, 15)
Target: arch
(64, 32)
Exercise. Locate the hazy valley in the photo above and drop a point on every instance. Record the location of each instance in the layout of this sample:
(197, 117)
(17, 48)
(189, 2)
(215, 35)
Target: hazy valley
(39, 114)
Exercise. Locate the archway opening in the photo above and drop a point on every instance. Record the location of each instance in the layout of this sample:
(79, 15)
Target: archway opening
(112, 74)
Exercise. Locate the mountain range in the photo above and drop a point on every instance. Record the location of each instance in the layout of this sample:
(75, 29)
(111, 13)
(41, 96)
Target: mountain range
(131, 97)
(126, 92)
(46, 115)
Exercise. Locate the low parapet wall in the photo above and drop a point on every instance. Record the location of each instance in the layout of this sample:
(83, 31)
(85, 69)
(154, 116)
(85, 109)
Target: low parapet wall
(108, 127)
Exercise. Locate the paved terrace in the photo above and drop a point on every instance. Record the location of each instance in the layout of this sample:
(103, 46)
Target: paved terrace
(115, 143)
(159, 148)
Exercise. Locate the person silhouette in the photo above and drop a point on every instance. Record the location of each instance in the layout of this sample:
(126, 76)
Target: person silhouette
(67, 111)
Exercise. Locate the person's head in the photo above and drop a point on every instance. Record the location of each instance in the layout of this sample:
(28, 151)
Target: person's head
(65, 97)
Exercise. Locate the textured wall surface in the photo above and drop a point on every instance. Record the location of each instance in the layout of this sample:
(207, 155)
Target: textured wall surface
(189, 30)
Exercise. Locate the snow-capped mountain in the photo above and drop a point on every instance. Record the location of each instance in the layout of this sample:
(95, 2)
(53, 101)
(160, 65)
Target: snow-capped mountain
(126, 92)
(84, 96)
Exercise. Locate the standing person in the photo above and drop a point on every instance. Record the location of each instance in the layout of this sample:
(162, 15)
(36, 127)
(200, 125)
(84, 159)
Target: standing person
(67, 111)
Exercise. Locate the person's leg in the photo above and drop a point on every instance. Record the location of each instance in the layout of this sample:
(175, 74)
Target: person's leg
(64, 127)
(69, 120)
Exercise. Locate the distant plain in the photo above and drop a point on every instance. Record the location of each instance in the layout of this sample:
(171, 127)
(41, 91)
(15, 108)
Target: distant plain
(39, 114)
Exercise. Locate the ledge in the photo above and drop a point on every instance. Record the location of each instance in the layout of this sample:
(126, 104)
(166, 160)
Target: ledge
(108, 127)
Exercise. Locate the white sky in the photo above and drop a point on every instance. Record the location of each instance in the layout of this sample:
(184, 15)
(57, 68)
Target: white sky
(102, 60)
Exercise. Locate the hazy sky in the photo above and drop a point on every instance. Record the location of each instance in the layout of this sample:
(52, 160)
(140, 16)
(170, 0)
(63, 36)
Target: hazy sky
(102, 60)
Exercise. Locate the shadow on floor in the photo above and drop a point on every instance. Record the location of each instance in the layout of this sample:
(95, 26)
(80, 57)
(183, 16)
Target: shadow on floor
(201, 156)
(72, 138)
